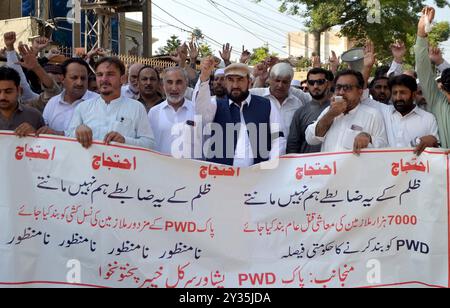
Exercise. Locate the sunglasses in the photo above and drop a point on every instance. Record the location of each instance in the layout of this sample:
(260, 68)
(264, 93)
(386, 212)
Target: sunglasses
(345, 87)
(319, 82)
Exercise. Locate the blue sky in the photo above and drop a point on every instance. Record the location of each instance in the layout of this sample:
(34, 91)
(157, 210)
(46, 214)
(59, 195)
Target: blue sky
(240, 22)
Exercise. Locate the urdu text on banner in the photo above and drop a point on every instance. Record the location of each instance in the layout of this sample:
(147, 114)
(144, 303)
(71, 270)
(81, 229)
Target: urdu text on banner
(117, 216)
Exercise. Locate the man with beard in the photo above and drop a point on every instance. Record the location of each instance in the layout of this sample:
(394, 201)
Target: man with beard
(379, 89)
(173, 121)
(59, 110)
(246, 128)
(149, 82)
(406, 124)
(131, 90)
(23, 120)
(319, 82)
(219, 89)
(111, 117)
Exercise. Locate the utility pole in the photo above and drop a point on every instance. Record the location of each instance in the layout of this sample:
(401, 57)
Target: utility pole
(147, 28)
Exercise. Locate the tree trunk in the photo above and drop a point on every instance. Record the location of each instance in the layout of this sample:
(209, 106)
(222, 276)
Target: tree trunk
(317, 38)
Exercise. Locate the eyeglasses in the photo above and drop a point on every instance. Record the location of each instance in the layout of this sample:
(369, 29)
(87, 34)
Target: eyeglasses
(345, 87)
(319, 82)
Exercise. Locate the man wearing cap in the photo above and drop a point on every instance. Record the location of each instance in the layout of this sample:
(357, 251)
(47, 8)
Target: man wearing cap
(245, 127)
(219, 89)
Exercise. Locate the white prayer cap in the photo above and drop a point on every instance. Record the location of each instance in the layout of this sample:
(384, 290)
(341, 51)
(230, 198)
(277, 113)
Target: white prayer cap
(219, 72)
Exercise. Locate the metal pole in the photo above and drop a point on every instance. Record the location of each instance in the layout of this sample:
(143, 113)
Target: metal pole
(147, 29)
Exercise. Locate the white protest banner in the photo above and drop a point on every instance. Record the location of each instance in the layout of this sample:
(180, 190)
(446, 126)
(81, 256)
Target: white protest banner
(116, 216)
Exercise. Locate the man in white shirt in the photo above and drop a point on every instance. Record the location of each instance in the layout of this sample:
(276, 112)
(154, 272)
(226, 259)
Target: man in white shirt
(131, 90)
(406, 124)
(281, 94)
(245, 128)
(173, 121)
(347, 124)
(59, 110)
(111, 117)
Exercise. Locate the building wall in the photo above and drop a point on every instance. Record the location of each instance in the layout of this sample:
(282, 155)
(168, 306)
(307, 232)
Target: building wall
(10, 9)
(301, 44)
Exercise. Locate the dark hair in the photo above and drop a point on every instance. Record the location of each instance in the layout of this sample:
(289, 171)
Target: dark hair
(9, 74)
(372, 84)
(92, 77)
(113, 61)
(445, 80)
(152, 68)
(382, 71)
(79, 61)
(353, 73)
(315, 71)
(403, 80)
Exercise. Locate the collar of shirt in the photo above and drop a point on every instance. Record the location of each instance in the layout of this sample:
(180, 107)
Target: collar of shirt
(186, 105)
(86, 96)
(288, 99)
(130, 90)
(416, 110)
(19, 108)
(245, 102)
(113, 102)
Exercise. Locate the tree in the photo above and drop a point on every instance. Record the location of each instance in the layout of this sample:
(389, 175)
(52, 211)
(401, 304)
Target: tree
(440, 33)
(398, 19)
(204, 50)
(172, 45)
(260, 54)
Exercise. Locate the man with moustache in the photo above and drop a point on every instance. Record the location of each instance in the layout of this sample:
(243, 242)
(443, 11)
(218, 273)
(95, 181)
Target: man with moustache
(23, 120)
(149, 83)
(286, 98)
(59, 110)
(219, 89)
(347, 124)
(111, 117)
(131, 90)
(246, 128)
(379, 89)
(406, 124)
(173, 121)
(319, 83)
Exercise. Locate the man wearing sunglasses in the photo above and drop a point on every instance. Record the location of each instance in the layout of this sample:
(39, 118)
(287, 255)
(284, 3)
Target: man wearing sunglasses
(347, 124)
(319, 83)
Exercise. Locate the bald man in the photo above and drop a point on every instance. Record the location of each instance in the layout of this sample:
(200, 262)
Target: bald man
(131, 90)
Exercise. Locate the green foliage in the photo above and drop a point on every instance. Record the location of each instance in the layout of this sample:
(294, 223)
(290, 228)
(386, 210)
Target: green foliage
(399, 20)
(171, 45)
(260, 54)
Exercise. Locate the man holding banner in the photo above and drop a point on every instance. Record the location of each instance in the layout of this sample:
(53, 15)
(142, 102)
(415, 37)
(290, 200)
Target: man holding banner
(13, 115)
(112, 117)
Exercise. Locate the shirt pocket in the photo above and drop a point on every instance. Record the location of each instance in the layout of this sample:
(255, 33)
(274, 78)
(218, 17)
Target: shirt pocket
(348, 140)
(124, 126)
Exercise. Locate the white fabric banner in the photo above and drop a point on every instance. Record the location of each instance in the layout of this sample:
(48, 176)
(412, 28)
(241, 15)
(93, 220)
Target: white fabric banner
(115, 216)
